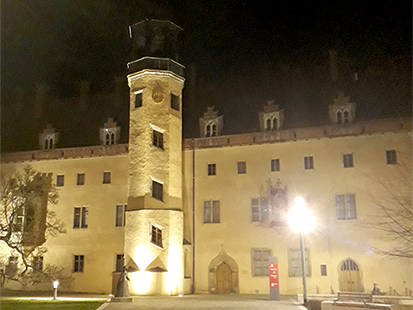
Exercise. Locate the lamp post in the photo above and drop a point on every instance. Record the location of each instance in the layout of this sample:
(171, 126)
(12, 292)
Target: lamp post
(55, 285)
(301, 220)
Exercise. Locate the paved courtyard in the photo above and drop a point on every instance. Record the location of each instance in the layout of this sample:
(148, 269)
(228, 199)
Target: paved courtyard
(201, 302)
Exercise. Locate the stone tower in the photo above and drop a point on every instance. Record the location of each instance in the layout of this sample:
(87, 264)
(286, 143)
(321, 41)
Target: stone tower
(154, 219)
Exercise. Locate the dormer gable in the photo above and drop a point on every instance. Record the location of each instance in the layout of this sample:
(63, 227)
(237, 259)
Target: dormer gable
(109, 133)
(48, 138)
(272, 118)
(211, 124)
(342, 111)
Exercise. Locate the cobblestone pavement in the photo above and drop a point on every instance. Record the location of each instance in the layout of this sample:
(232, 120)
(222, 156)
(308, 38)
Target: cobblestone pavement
(201, 302)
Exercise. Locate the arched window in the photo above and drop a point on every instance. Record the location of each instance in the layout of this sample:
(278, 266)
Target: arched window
(48, 143)
(349, 265)
(346, 118)
(208, 130)
(274, 123)
(268, 124)
(107, 138)
(213, 130)
(112, 138)
(339, 118)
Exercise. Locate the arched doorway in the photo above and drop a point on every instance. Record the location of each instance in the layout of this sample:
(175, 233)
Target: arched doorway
(350, 277)
(224, 279)
(223, 274)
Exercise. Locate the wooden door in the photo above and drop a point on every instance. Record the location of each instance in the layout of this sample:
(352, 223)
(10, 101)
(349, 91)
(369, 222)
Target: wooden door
(224, 279)
(349, 277)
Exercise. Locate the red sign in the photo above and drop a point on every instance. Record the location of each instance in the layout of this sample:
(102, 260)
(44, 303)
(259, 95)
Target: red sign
(273, 275)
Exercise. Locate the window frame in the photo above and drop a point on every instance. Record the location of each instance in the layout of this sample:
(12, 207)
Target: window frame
(79, 263)
(157, 190)
(263, 264)
(157, 139)
(80, 217)
(348, 160)
(211, 169)
(120, 215)
(107, 177)
(275, 165)
(138, 95)
(212, 212)
(175, 102)
(292, 270)
(262, 207)
(346, 210)
(391, 157)
(81, 179)
(308, 162)
(156, 236)
(241, 167)
(60, 180)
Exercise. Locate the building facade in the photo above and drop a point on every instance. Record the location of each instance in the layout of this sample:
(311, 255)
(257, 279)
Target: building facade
(206, 214)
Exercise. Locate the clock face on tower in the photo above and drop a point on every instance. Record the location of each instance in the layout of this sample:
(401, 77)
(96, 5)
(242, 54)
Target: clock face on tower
(157, 94)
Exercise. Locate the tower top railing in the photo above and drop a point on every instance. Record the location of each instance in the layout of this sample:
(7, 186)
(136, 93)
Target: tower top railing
(156, 63)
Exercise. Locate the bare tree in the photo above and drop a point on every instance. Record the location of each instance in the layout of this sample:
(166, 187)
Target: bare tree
(25, 224)
(392, 218)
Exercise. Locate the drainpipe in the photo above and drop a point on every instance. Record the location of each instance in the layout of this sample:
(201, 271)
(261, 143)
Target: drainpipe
(193, 216)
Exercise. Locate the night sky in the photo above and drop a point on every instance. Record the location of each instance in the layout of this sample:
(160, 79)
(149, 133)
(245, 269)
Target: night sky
(238, 55)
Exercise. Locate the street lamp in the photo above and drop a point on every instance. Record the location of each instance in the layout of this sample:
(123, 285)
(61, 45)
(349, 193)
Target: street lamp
(301, 220)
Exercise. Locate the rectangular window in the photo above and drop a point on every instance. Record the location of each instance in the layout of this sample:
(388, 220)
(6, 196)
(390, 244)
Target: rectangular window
(157, 190)
(260, 262)
(120, 215)
(259, 209)
(156, 237)
(348, 161)
(38, 263)
(80, 218)
(242, 167)
(174, 102)
(211, 211)
(79, 263)
(323, 270)
(275, 164)
(157, 139)
(18, 220)
(80, 179)
(308, 163)
(60, 181)
(212, 169)
(138, 99)
(106, 177)
(391, 157)
(119, 262)
(294, 268)
(346, 207)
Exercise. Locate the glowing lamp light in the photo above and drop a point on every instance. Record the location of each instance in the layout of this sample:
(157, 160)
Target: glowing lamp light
(299, 217)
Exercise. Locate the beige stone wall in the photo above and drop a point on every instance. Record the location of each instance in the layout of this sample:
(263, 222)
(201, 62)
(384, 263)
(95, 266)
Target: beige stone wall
(101, 241)
(331, 243)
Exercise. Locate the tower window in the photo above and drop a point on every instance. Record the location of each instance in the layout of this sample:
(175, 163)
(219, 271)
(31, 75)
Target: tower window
(120, 215)
(391, 157)
(157, 139)
(156, 237)
(106, 177)
(268, 124)
(80, 179)
(157, 190)
(308, 163)
(339, 117)
(348, 161)
(110, 137)
(211, 130)
(274, 124)
(346, 117)
(174, 102)
(138, 99)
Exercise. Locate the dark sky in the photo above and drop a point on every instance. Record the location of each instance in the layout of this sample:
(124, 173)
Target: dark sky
(238, 54)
